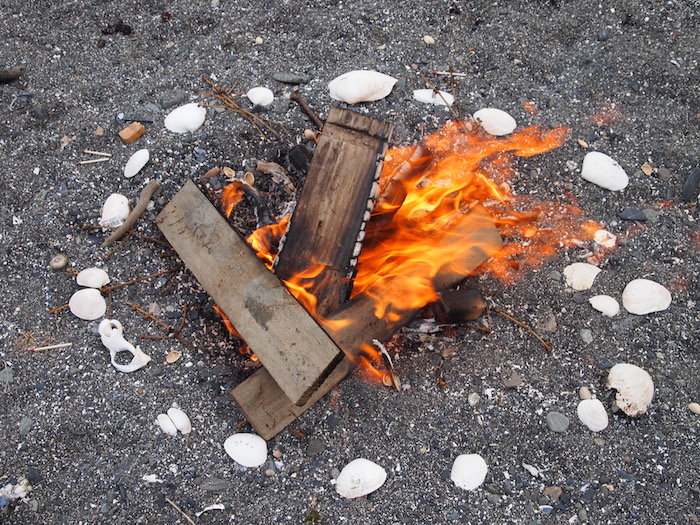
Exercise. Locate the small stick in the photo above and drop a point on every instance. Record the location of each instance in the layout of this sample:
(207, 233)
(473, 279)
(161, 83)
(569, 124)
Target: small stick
(547, 346)
(189, 520)
(449, 73)
(93, 161)
(50, 347)
(146, 194)
(57, 309)
(296, 97)
(91, 152)
(437, 91)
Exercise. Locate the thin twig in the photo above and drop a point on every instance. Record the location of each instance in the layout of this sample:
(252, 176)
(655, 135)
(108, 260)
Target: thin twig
(171, 331)
(139, 209)
(139, 279)
(437, 91)
(547, 346)
(57, 309)
(189, 520)
(50, 347)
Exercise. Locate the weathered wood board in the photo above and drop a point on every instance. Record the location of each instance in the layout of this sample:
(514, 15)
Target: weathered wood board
(294, 349)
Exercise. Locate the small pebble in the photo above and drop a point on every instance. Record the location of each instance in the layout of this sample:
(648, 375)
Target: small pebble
(25, 425)
(690, 185)
(632, 214)
(473, 399)
(694, 408)
(59, 261)
(553, 493)
(513, 381)
(290, 78)
(557, 422)
(584, 393)
(6, 375)
(586, 336)
(647, 169)
(428, 40)
(258, 40)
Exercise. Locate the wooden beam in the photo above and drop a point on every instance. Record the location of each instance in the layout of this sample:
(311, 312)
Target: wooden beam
(294, 349)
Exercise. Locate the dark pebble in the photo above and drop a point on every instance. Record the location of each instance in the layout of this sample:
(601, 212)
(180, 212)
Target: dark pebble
(605, 365)
(664, 174)
(578, 298)
(690, 185)
(33, 476)
(603, 35)
(160, 500)
(625, 475)
(589, 494)
(632, 214)
(39, 113)
(290, 78)
(315, 446)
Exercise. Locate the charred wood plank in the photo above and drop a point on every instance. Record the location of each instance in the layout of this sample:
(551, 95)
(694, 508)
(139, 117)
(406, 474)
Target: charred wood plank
(295, 350)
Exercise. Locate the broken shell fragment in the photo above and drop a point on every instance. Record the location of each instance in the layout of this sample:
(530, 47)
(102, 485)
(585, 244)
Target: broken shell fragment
(189, 117)
(180, 420)
(92, 278)
(605, 238)
(136, 162)
(115, 210)
(111, 334)
(87, 304)
(172, 357)
(605, 304)
(248, 450)
(603, 171)
(361, 86)
(469, 471)
(359, 478)
(591, 413)
(635, 388)
(495, 121)
(430, 96)
(166, 425)
(260, 96)
(580, 276)
(643, 296)
(58, 261)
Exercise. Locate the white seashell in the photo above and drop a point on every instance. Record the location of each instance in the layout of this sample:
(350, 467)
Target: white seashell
(603, 171)
(605, 304)
(605, 238)
(151, 478)
(635, 388)
(592, 413)
(180, 420)
(580, 276)
(361, 86)
(359, 478)
(87, 304)
(115, 210)
(136, 162)
(189, 117)
(469, 471)
(92, 278)
(111, 334)
(260, 96)
(249, 450)
(495, 121)
(643, 296)
(429, 96)
(166, 425)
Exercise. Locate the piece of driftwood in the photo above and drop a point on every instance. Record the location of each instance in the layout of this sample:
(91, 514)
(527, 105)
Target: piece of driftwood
(295, 350)
(263, 402)
(334, 206)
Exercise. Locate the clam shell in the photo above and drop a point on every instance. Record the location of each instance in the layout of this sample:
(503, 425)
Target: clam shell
(580, 276)
(87, 304)
(115, 210)
(469, 471)
(635, 388)
(92, 278)
(429, 96)
(603, 171)
(359, 478)
(361, 86)
(260, 96)
(189, 117)
(180, 420)
(166, 425)
(495, 121)
(643, 296)
(248, 450)
(592, 413)
(605, 304)
(136, 162)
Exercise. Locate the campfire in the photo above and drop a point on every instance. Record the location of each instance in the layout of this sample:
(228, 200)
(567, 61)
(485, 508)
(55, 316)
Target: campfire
(377, 235)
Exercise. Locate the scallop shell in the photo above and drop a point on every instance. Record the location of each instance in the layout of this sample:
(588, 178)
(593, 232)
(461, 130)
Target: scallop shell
(92, 278)
(605, 304)
(580, 276)
(166, 425)
(189, 117)
(592, 413)
(635, 388)
(469, 471)
(495, 121)
(115, 210)
(249, 450)
(429, 96)
(180, 420)
(361, 86)
(87, 304)
(136, 163)
(359, 478)
(643, 296)
(603, 171)
(260, 96)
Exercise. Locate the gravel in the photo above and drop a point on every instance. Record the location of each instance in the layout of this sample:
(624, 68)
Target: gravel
(623, 79)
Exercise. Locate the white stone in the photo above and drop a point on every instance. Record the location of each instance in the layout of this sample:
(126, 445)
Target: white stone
(643, 296)
(591, 413)
(136, 163)
(580, 276)
(469, 471)
(92, 278)
(429, 96)
(495, 121)
(635, 388)
(605, 304)
(115, 210)
(359, 478)
(260, 96)
(180, 420)
(187, 118)
(361, 86)
(603, 171)
(166, 425)
(87, 304)
(248, 450)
